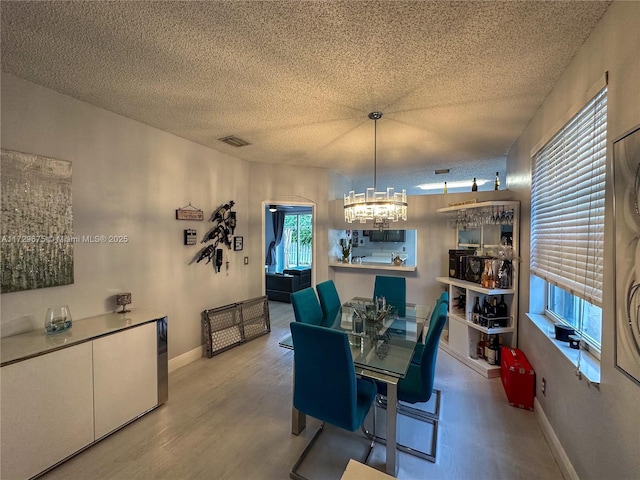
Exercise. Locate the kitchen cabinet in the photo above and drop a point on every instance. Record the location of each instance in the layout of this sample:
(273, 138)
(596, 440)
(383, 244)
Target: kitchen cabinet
(480, 228)
(63, 392)
(386, 235)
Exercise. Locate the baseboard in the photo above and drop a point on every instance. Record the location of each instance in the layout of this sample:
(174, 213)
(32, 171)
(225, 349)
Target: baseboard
(568, 472)
(185, 359)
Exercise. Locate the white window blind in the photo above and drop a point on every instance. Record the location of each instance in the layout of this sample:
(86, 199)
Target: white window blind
(567, 204)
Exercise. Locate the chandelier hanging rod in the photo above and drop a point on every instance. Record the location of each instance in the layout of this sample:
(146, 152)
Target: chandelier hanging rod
(381, 207)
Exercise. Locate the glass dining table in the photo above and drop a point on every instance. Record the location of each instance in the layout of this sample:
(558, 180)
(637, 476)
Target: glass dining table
(382, 343)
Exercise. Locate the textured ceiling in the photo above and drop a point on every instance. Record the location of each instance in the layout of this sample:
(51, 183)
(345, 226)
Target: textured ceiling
(457, 81)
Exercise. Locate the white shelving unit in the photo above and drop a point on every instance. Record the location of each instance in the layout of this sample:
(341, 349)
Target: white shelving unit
(461, 335)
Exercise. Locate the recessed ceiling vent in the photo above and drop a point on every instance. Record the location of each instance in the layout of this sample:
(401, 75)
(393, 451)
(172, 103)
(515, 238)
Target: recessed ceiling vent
(234, 141)
(441, 171)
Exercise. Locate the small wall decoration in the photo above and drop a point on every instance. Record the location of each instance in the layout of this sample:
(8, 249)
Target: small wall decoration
(626, 174)
(190, 236)
(36, 222)
(223, 219)
(189, 213)
(237, 243)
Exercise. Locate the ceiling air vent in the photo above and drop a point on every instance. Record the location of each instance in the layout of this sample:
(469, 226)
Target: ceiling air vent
(441, 171)
(234, 141)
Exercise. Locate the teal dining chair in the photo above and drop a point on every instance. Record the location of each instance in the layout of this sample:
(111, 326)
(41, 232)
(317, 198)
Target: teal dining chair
(329, 302)
(417, 387)
(394, 289)
(306, 308)
(325, 385)
(417, 351)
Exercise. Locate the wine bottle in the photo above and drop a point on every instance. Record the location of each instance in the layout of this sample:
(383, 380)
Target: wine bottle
(492, 350)
(481, 346)
(474, 185)
(502, 309)
(496, 184)
(477, 311)
(487, 349)
(491, 279)
(484, 278)
(486, 312)
(445, 187)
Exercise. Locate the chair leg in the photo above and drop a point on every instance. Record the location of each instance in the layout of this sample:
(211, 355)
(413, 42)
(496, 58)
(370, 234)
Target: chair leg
(428, 417)
(294, 470)
(293, 473)
(415, 412)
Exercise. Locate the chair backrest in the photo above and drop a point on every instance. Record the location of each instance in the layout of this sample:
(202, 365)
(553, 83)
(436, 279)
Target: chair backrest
(444, 297)
(394, 289)
(324, 384)
(430, 351)
(329, 302)
(306, 307)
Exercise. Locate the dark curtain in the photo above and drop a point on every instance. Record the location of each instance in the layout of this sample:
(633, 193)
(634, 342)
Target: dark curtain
(278, 228)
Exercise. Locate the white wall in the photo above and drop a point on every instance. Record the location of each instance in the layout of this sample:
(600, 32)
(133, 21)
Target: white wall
(288, 185)
(598, 429)
(128, 179)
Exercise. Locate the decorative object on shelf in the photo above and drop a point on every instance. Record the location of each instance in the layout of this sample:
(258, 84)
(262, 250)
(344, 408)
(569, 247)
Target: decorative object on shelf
(445, 188)
(496, 183)
(189, 213)
(345, 247)
(474, 185)
(237, 243)
(563, 332)
(58, 319)
(36, 222)
(574, 342)
(397, 260)
(225, 222)
(381, 207)
(123, 299)
(190, 236)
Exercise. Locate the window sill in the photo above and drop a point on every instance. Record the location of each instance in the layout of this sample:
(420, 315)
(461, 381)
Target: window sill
(589, 365)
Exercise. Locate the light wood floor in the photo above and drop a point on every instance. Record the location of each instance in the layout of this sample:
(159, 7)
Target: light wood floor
(228, 417)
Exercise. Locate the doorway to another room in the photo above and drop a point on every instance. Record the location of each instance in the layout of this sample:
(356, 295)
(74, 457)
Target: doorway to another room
(288, 243)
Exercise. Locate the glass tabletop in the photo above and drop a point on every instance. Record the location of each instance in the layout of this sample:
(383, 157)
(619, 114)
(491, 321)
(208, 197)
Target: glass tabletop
(384, 345)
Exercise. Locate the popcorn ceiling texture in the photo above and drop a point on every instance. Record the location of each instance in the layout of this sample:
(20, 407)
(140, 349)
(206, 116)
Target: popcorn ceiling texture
(457, 81)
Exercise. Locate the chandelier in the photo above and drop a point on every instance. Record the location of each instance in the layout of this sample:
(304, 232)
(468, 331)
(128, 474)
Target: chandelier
(381, 207)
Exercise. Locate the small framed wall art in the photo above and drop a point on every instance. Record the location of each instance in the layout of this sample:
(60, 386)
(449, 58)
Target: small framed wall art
(237, 243)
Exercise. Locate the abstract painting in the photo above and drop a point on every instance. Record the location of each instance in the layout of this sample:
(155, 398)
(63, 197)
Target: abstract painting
(626, 174)
(37, 222)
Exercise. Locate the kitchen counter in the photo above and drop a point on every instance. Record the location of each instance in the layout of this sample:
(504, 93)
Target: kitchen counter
(374, 266)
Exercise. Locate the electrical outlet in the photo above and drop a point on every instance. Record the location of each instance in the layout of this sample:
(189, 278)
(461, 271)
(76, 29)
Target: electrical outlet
(543, 386)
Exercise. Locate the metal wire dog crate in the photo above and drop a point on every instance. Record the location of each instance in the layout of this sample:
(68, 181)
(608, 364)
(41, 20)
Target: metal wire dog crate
(225, 327)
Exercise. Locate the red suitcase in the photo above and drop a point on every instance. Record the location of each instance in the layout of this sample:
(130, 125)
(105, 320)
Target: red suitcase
(518, 378)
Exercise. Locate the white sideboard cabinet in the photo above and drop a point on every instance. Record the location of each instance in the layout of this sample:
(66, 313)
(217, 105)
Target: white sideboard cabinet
(479, 228)
(61, 393)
